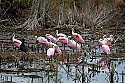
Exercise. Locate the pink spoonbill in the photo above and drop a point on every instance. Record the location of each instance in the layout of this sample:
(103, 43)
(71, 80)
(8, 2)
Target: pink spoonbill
(106, 49)
(57, 49)
(77, 36)
(106, 41)
(51, 51)
(63, 40)
(16, 42)
(52, 38)
(42, 40)
(74, 45)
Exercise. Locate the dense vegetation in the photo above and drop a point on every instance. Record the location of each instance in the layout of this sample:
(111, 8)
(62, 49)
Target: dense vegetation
(50, 13)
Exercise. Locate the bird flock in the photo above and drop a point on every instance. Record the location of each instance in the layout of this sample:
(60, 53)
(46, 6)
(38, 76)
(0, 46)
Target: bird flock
(73, 42)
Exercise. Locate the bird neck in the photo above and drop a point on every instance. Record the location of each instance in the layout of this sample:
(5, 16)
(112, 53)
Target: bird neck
(57, 32)
(72, 31)
(111, 37)
(13, 37)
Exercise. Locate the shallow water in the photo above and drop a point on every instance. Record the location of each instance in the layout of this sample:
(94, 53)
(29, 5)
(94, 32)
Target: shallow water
(60, 73)
(64, 70)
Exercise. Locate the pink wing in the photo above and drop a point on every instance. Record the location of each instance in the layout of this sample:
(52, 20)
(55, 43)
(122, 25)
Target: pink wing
(101, 42)
(57, 50)
(73, 45)
(17, 43)
(108, 43)
(62, 35)
(53, 39)
(63, 40)
(106, 49)
(43, 41)
(78, 37)
(104, 42)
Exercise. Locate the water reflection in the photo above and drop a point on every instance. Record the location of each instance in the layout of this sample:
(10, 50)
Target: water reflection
(61, 73)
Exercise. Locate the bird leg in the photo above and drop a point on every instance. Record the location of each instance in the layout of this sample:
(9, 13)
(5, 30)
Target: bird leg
(50, 62)
(64, 47)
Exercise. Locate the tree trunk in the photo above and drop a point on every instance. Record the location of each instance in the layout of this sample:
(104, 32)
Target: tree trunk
(38, 7)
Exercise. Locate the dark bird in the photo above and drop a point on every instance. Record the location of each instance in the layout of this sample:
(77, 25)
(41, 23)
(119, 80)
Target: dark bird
(23, 47)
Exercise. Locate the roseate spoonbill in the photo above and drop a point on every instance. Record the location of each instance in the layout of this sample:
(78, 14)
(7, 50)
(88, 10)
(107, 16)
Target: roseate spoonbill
(102, 42)
(106, 49)
(42, 40)
(60, 34)
(16, 42)
(63, 40)
(51, 52)
(77, 36)
(110, 38)
(53, 39)
(106, 40)
(74, 45)
(57, 49)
